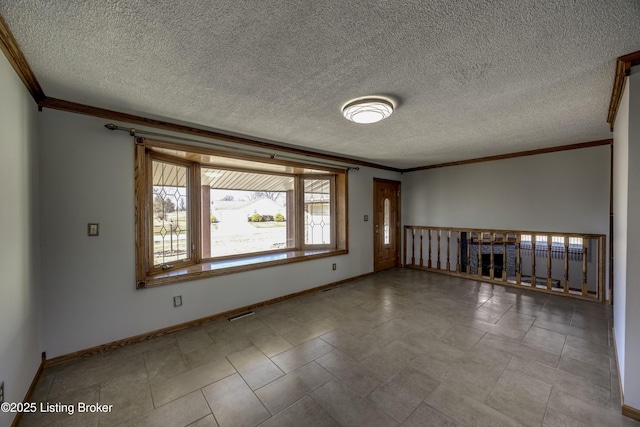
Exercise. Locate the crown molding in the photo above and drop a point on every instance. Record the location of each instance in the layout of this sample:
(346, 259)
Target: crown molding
(517, 154)
(73, 107)
(19, 63)
(623, 69)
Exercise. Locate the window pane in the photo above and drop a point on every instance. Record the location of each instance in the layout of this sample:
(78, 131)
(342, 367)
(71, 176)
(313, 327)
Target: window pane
(250, 212)
(386, 221)
(170, 220)
(317, 211)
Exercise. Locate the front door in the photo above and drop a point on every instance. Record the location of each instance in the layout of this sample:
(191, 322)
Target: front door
(386, 224)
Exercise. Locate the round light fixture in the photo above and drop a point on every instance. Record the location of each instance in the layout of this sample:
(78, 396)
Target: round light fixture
(367, 110)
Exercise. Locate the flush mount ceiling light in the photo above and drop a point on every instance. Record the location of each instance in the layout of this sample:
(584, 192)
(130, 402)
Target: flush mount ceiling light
(367, 110)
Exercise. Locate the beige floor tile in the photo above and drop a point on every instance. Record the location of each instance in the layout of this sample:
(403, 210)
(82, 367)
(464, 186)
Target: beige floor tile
(502, 330)
(486, 349)
(193, 338)
(178, 413)
(347, 408)
(489, 315)
(208, 421)
(130, 396)
(583, 344)
(357, 328)
(68, 380)
(389, 360)
(600, 376)
(550, 341)
(520, 397)
(306, 332)
(350, 372)
(521, 322)
(598, 360)
(355, 347)
(285, 391)
(477, 373)
(301, 354)
(461, 337)
(189, 381)
(270, 345)
(254, 367)
(586, 412)
(467, 411)
(435, 368)
(554, 418)
(164, 363)
(207, 354)
(562, 380)
(234, 404)
(403, 393)
(601, 338)
(520, 349)
(306, 412)
(429, 346)
(426, 416)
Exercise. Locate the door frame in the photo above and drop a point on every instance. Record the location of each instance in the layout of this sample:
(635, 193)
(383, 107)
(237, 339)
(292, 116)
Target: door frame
(396, 229)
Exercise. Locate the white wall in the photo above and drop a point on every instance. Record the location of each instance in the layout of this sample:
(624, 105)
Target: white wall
(620, 196)
(562, 191)
(20, 331)
(566, 191)
(87, 176)
(632, 330)
(627, 249)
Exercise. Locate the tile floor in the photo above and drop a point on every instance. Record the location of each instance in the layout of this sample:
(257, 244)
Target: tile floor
(403, 347)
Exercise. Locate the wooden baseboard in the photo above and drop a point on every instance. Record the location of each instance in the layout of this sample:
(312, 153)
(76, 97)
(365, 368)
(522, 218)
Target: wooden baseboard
(153, 334)
(615, 353)
(32, 387)
(631, 412)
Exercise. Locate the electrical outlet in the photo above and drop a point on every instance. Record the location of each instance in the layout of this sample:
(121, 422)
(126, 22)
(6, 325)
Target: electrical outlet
(334, 266)
(2, 392)
(177, 301)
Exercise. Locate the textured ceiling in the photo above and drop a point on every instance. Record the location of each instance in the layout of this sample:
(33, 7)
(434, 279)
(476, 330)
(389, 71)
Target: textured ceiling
(470, 78)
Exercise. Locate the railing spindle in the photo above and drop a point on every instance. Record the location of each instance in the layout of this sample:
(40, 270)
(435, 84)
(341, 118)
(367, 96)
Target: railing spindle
(448, 250)
(549, 242)
(566, 265)
(480, 239)
(505, 237)
(429, 262)
(534, 280)
(492, 238)
(413, 246)
(585, 248)
(518, 260)
(458, 252)
(469, 252)
(439, 234)
(421, 233)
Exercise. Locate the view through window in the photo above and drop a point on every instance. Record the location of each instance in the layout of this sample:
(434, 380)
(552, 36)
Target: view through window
(249, 212)
(196, 207)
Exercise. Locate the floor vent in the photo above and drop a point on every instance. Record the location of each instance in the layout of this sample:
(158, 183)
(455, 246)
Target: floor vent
(240, 316)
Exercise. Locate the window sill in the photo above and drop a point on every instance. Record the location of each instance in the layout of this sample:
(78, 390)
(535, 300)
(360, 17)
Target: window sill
(219, 268)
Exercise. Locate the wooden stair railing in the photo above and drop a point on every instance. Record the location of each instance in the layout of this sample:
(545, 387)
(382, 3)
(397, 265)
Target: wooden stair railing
(574, 261)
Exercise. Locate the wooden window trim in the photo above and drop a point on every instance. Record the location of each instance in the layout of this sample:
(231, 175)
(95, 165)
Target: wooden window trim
(193, 182)
(199, 268)
(333, 245)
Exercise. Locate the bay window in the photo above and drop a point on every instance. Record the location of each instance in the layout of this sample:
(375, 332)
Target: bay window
(202, 212)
